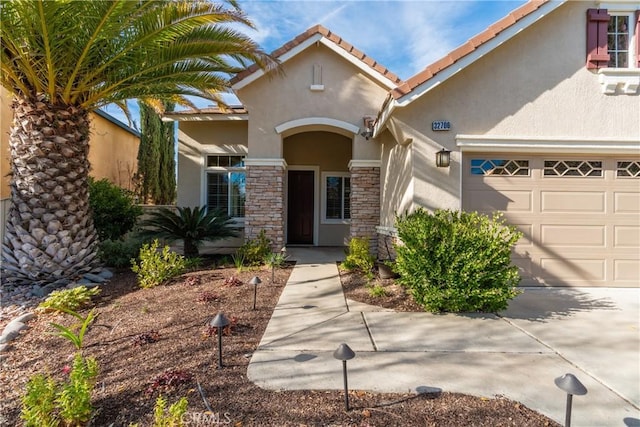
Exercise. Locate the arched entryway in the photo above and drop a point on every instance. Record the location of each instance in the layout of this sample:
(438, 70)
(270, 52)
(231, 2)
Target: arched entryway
(318, 188)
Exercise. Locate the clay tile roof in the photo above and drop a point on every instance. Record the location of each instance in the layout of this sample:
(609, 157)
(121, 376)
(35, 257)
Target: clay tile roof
(339, 41)
(468, 47)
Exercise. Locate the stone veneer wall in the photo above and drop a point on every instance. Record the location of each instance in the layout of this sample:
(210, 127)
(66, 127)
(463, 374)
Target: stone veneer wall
(365, 204)
(264, 206)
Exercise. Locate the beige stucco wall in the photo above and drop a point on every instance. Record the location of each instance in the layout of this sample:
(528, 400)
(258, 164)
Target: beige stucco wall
(396, 179)
(348, 96)
(195, 140)
(113, 151)
(535, 85)
(329, 152)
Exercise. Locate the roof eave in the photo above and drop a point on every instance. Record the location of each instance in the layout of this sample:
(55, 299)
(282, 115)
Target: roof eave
(204, 117)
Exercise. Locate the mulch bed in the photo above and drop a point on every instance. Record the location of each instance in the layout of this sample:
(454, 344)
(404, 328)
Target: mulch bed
(156, 341)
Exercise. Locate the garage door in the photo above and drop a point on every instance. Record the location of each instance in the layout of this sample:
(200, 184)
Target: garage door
(580, 215)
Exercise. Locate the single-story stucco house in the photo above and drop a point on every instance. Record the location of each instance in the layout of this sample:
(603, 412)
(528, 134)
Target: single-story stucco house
(540, 114)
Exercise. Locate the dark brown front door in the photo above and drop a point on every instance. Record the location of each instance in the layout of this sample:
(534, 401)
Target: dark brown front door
(300, 211)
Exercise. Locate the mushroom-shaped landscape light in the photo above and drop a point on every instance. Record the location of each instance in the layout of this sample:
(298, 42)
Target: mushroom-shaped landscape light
(255, 282)
(570, 385)
(219, 322)
(344, 353)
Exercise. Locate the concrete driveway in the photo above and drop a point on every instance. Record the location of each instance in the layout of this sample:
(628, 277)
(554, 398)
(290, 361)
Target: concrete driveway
(546, 332)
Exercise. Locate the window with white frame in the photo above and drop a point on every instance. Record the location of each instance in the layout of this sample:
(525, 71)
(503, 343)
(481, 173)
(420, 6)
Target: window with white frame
(336, 192)
(225, 184)
(619, 37)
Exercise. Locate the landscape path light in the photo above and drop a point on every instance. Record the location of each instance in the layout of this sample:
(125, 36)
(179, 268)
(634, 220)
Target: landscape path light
(344, 353)
(255, 282)
(570, 385)
(220, 321)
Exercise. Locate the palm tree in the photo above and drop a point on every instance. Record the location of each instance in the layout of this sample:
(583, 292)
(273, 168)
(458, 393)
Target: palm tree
(60, 60)
(192, 226)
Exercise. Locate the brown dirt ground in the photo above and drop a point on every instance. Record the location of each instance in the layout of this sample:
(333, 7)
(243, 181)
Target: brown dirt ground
(176, 315)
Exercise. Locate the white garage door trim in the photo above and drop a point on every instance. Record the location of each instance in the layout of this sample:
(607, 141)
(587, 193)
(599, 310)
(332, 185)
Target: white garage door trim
(503, 144)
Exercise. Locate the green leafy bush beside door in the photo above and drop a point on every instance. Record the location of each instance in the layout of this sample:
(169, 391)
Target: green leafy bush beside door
(457, 261)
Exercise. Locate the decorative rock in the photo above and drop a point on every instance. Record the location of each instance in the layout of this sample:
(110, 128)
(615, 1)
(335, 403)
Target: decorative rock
(24, 318)
(94, 278)
(5, 338)
(86, 282)
(37, 291)
(106, 274)
(12, 327)
(47, 289)
(3, 347)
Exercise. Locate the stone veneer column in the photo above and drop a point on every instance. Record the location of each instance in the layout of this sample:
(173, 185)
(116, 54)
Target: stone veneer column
(264, 205)
(365, 200)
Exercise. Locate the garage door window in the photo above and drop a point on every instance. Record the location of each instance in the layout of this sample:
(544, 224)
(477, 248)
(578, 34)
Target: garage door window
(628, 170)
(572, 168)
(499, 167)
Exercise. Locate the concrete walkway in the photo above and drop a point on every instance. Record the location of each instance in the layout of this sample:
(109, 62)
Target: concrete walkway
(545, 333)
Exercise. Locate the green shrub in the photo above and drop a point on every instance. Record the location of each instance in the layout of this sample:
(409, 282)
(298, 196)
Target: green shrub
(47, 403)
(192, 226)
(359, 257)
(118, 253)
(457, 261)
(114, 209)
(171, 418)
(377, 290)
(155, 267)
(38, 403)
(69, 299)
(50, 403)
(74, 396)
(255, 251)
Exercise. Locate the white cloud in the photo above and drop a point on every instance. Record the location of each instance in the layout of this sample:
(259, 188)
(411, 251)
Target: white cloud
(405, 36)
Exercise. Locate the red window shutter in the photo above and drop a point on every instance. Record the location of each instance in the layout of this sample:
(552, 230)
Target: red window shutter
(597, 23)
(637, 35)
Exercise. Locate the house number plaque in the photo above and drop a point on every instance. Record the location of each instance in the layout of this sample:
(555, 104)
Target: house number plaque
(439, 125)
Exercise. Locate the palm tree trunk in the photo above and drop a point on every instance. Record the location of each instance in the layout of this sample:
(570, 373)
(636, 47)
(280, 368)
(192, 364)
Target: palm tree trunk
(50, 238)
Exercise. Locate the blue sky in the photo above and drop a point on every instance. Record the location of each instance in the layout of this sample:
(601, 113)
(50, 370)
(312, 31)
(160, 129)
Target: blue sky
(403, 35)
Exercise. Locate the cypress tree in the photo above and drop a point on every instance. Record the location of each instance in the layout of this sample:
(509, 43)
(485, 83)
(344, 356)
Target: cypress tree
(167, 172)
(156, 163)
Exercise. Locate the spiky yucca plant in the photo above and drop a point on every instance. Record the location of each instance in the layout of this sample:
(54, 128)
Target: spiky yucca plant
(192, 226)
(60, 60)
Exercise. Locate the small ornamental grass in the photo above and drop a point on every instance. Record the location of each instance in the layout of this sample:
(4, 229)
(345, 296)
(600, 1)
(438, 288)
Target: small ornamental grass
(154, 267)
(457, 261)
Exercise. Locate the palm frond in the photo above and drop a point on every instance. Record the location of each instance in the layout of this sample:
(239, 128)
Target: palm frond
(89, 53)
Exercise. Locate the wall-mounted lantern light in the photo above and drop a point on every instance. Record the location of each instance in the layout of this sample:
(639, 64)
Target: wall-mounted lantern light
(443, 158)
(367, 132)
